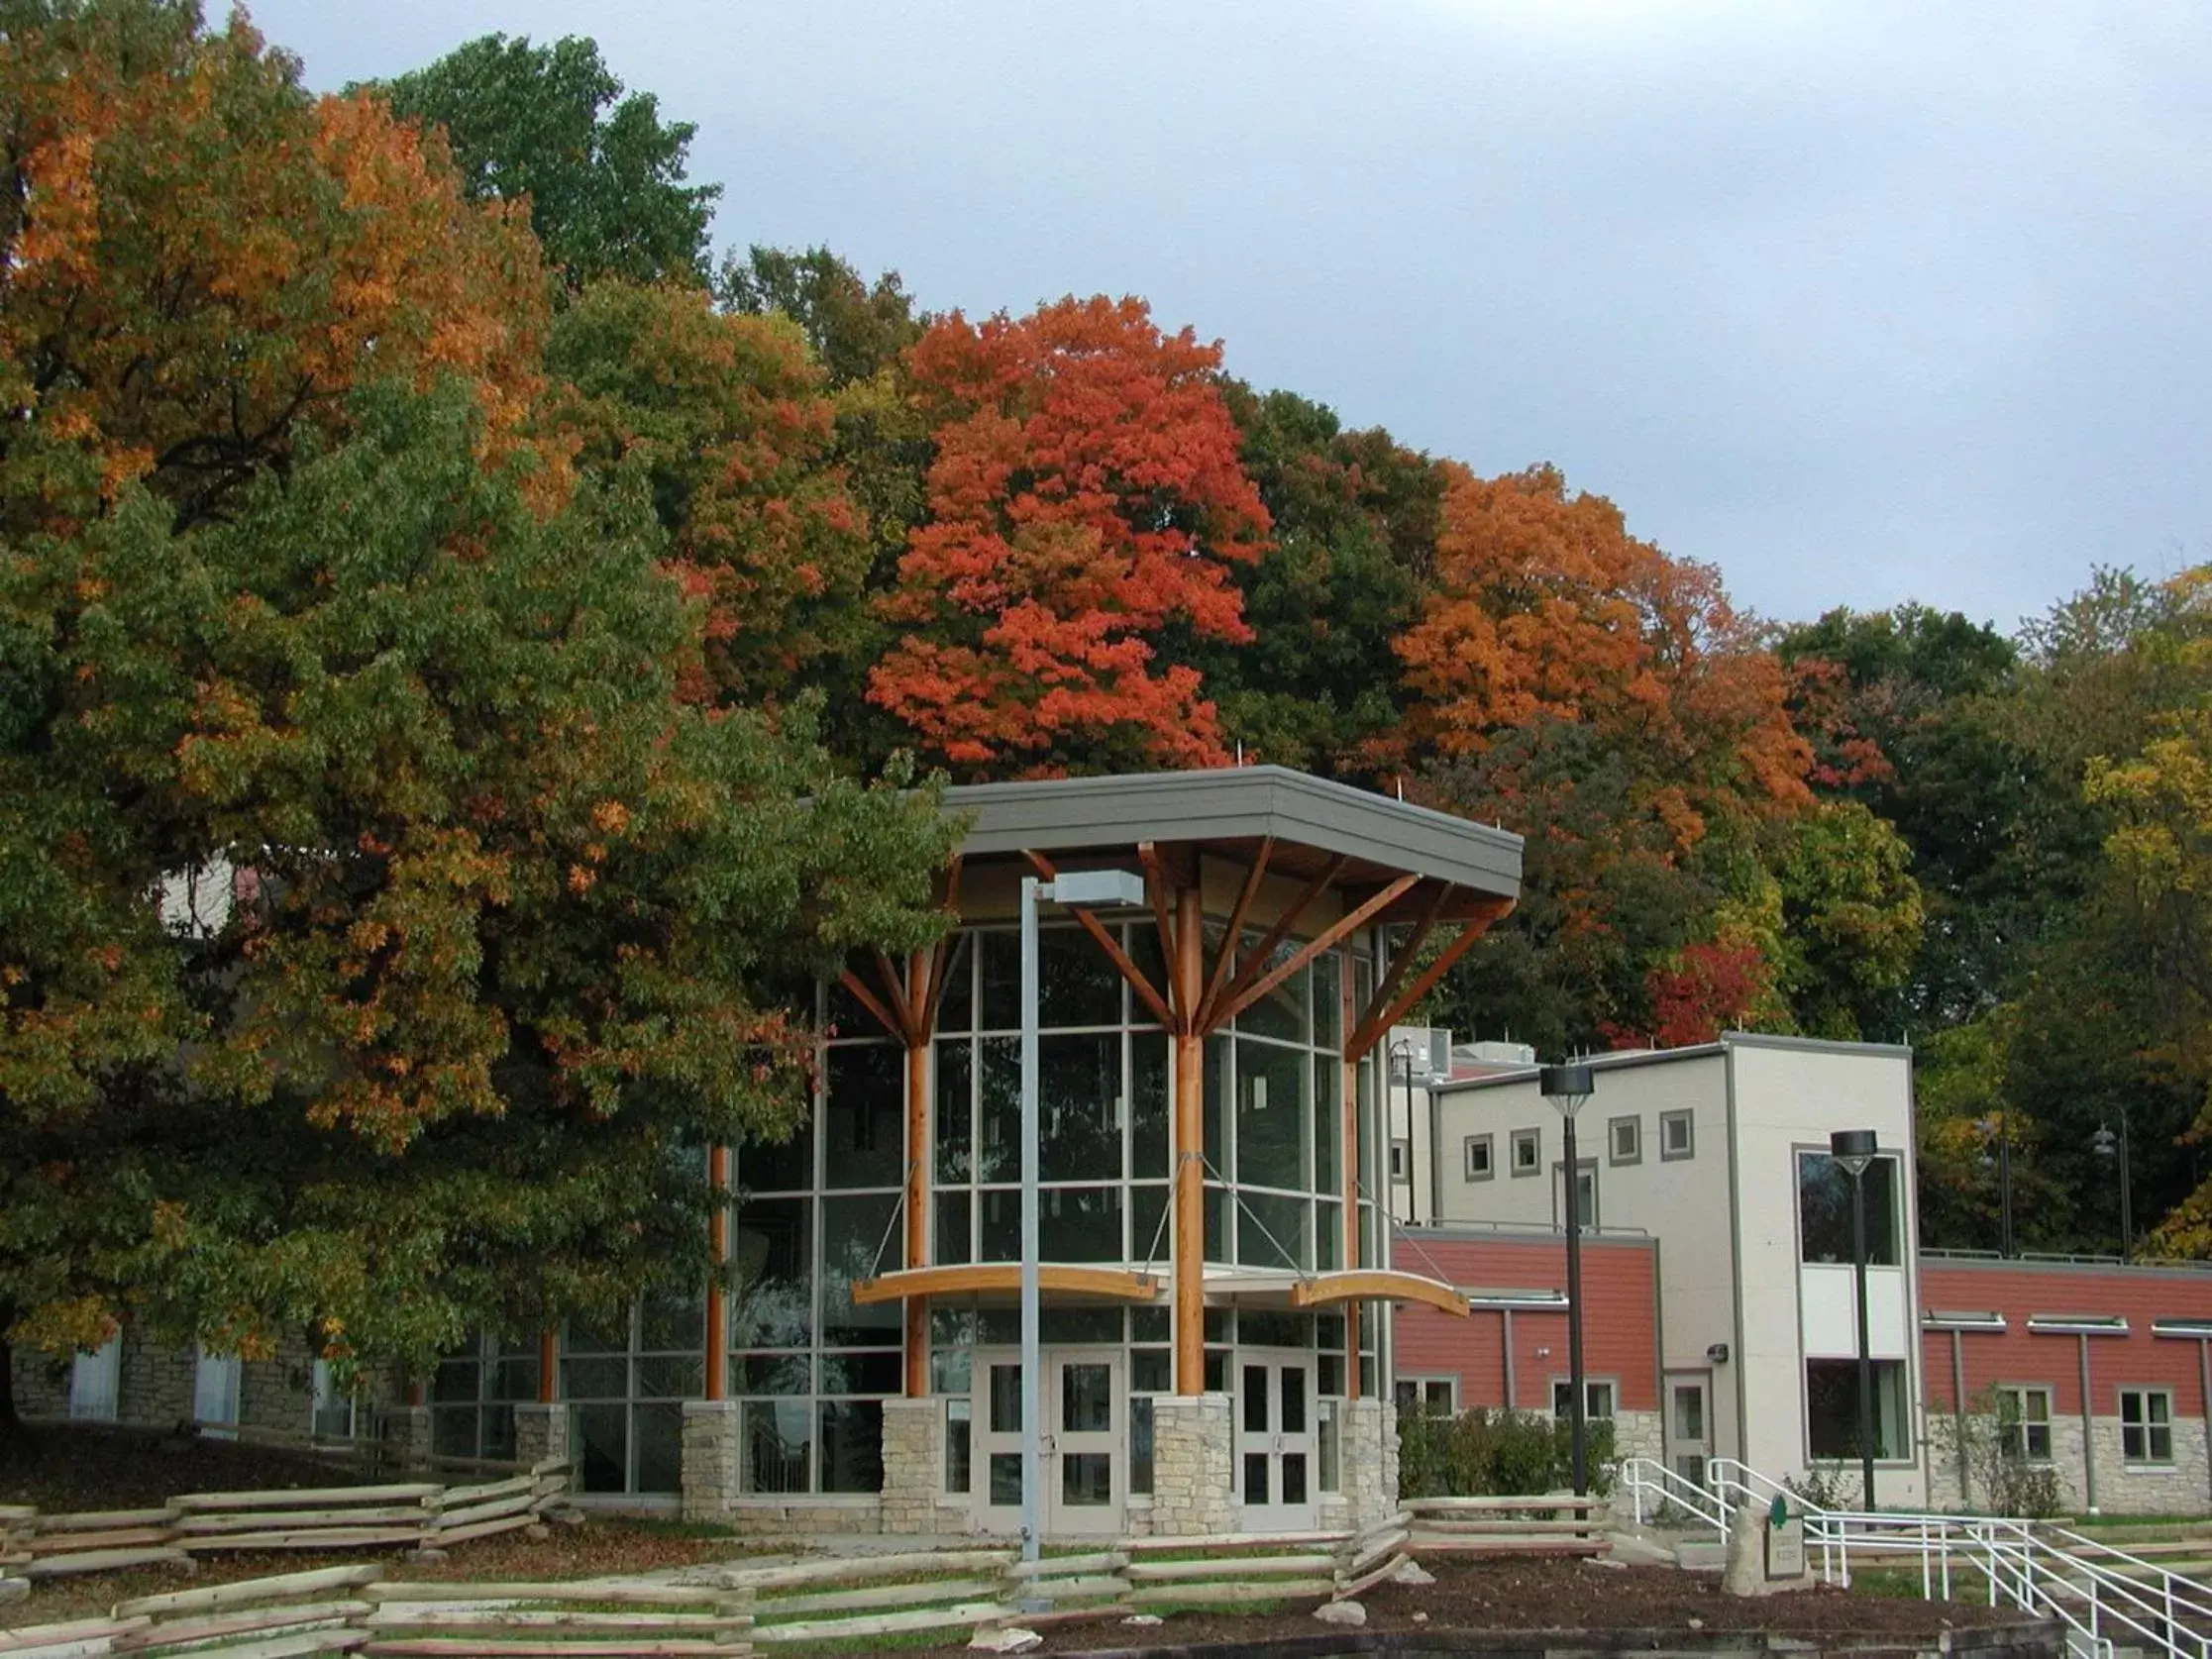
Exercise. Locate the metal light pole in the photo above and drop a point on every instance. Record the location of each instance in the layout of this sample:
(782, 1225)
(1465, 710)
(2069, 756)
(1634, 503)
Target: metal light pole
(2101, 1143)
(1083, 890)
(1853, 1150)
(1566, 1088)
(1997, 1127)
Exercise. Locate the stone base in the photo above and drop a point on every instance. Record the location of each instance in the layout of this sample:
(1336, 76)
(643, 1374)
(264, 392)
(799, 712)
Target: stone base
(1192, 1492)
(1367, 1472)
(406, 1437)
(914, 1499)
(778, 1520)
(710, 1460)
(541, 1432)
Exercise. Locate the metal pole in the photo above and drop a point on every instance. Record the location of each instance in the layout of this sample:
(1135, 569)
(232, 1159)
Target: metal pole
(1032, 1386)
(2004, 1188)
(1866, 1359)
(2127, 1199)
(1577, 1407)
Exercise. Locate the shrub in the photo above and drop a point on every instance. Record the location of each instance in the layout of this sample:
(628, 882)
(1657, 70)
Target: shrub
(1492, 1451)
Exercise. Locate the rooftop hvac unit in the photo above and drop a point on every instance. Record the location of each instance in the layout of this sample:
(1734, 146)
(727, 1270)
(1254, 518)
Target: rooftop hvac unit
(1423, 1051)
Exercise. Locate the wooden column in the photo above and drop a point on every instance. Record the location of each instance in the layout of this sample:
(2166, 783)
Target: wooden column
(1189, 1193)
(549, 1366)
(1348, 1160)
(717, 1295)
(918, 1151)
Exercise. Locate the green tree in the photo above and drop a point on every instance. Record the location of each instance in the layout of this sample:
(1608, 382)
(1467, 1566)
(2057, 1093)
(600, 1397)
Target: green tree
(858, 329)
(506, 928)
(603, 173)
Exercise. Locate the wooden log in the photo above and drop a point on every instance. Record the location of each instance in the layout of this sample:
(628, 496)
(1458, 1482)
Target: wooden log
(1230, 1595)
(1360, 1542)
(100, 1520)
(24, 1638)
(325, 1537)
(552, 1466)
(337, 1639)
(425, 1647)
(321, 1498)
(293, 1521)
(1262, 1566)
(480, 1530)
(1075, 1589)
(243, 1591)
(1232, 1541)
(1372, 1577)
(877, 1595)
(1425, 1545)
(1508, 1528)
(1388, 1544)
(395, 1615)
(11, 1514)
(514, 1503)
(62, 1543)
(867, 1567)
(1500, 1502)
(882, 1625)
(103, 1561)
(1054, 1566)
(246, 1621)
(570, 1589)
(463, 1497)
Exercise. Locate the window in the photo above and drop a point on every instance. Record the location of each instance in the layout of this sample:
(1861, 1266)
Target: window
(1831, 1408)
(958, 1420)
(1527, 1151)
(1585, 1197)
(1597, 1398)
(2024, 1422)
(1480, 1149)
(1401, 1159)
(330, 1413)
(1625, 1140)
(2147, 1425)
(1677, 1136)
(1824, 1210)
(1689, 1412)
(1438, 1396)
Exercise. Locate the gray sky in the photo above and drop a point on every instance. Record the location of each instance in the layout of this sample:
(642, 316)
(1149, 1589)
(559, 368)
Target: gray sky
(1861, 301)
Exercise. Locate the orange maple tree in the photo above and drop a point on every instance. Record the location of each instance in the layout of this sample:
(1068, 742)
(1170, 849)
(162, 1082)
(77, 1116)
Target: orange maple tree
(1545, 607)
(1085, 500)
(202, 260)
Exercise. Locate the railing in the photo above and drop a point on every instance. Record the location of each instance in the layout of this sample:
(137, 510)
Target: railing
(1653, 1490)
(2105, 1596)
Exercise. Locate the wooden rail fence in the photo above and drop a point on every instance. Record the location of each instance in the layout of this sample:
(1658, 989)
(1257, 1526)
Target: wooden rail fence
(418, 1515)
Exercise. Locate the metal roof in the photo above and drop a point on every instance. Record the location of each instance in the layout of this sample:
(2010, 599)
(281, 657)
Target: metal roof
(1229, 810)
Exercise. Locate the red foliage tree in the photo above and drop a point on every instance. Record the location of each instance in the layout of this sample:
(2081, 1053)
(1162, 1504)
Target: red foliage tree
(1085, 502)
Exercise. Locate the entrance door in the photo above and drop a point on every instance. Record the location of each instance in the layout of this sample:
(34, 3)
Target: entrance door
(1689, 1424)
(1083, 1450)
(215, 1394)
(1275, 1468)
(96, 1380)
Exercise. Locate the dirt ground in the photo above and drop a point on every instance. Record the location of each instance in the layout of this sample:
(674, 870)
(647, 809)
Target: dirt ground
(93, 1466)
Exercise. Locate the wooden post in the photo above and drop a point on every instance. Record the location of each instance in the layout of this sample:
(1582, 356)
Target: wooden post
(1189, 1193)
(717, 1297)
(1347, 1154)
(918, 1153)
(549, 1372)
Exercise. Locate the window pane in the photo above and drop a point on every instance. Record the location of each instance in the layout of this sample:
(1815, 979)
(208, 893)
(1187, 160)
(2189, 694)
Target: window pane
(864, 1121)
(853, 1445)
(672, 1320)
(1001, 979)
(1005, 1399)
(1271, 1115)
(1824, 1202)
(955, 1083)
(1831, 1408)
(1148, 1238)
(1085, 1398)
(1329, 1122)
(1005, 1478)
(1283, 1011)
(1255, 1398)
(658, 1431)
(956, 1008)
(863, 1372)
(953, 1244)
(956, 1446)
(769, 1374)
(772, 1271)
(1271, 1231)
(1149, 1111)
(1079, 1108)
(853, 1230)
(602, 1433)
(1215, 1086)
(999, 1110)
(1329, 1235)
(778, 1167)
(1140, 1443)
(1329, 1001)
(1086, 1479)
(775, 1446)
(1079, 1224)
(1075, 983)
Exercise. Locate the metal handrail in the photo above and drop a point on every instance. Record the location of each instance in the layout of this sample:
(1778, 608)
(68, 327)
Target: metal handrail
(2053, 1574)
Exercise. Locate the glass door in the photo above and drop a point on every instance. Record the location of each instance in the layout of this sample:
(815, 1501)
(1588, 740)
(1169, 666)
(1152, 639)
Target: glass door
(1085, 1458)
(215, 1395)
(995, 1430)
(1275, 1468)
(1689, 1425)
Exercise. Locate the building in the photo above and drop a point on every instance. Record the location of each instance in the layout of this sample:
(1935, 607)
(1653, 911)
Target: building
(1217, 1290)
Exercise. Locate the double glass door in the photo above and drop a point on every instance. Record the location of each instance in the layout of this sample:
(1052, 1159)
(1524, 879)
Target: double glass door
(1084, 1452)
(1275, 1466)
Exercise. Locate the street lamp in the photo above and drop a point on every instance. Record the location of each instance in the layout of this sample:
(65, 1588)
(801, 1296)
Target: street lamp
(1566, 1088)
(1083, 889)
(1853, 1150)
(2101, 1143)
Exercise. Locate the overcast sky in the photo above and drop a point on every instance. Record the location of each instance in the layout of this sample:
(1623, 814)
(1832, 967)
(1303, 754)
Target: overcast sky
(1861, 302)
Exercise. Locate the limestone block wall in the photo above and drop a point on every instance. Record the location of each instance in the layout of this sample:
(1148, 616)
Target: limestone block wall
(1368, 1467)
(754, 1518)
(1192, 1437)
(710, 1458)
(2182, 1487)
(914, 1499)
(41, 1384)
(1639, 1434)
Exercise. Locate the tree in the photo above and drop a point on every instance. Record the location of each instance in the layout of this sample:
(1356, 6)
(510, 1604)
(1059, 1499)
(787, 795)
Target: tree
(511, 926)
(1355, 537)
(1087, 505)
(202, 259)
(858, 329)
(728, 420)
(1851, 919)
(602, 174)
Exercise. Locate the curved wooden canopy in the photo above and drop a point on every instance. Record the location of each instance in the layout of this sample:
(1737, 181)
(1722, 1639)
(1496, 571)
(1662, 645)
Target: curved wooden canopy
(1379, 1284)
(971, 1279)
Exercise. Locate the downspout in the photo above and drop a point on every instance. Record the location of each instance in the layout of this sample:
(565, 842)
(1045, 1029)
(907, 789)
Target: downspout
(2088, 1437)
(1959, 1411)
(1435, 1154)
(1505, 1329)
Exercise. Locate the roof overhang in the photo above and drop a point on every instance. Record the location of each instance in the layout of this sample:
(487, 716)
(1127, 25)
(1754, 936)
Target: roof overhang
(1237, 1287)
(1227, 811)
(989, 1279)
(1938, 1319)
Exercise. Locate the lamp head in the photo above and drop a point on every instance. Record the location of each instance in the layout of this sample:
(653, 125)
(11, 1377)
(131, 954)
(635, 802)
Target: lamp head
(1854, 1149)
(1565, 1086)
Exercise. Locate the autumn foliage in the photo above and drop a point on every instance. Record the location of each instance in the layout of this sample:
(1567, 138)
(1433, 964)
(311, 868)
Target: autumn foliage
(1085, 499)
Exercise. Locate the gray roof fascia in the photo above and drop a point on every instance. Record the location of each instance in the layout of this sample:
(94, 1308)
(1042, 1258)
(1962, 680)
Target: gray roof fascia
(1235, 803)
(1596, 1062)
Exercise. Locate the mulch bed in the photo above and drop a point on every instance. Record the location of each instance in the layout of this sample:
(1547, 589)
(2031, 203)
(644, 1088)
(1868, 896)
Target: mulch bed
(1523, 1594)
